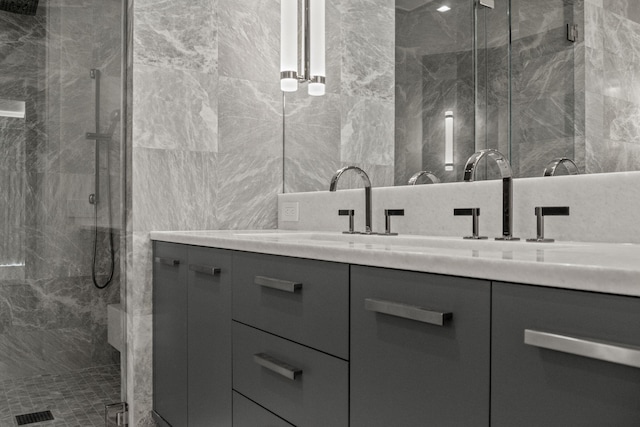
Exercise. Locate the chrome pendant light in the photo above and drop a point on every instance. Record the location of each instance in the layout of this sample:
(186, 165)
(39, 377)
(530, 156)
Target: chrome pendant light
(302, 45)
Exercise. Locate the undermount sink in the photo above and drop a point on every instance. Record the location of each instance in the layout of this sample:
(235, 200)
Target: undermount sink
(452, 243)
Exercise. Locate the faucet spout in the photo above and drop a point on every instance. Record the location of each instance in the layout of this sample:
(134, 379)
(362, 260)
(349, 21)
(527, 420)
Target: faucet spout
(367, 191)
(507, 186)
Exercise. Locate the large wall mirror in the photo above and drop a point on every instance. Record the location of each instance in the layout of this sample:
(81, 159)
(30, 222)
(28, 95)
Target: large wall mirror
(535, 79)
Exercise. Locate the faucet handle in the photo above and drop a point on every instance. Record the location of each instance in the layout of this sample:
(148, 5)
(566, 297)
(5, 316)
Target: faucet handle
(350, 213)
(388, 213)
(475, 214)
(541, 212)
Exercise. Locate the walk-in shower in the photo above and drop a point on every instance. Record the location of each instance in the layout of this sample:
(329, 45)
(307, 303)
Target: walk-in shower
(61, 139)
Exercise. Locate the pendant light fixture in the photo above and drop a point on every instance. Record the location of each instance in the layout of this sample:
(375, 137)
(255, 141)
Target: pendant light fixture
(302, 52)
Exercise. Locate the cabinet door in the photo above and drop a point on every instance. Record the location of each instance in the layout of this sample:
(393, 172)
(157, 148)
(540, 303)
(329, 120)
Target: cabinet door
(209, 337)
(170, 332)
(406, 372)
(538, 386)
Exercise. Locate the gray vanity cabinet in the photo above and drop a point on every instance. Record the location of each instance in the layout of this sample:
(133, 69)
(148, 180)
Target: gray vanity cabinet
(542, 382)
(418, 366)
(170, 333)
(192, 335)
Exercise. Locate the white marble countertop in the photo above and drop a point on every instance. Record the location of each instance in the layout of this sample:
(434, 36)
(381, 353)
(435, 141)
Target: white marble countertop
(599, 267)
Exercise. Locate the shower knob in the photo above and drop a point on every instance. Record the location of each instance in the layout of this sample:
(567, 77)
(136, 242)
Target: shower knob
(92, 199)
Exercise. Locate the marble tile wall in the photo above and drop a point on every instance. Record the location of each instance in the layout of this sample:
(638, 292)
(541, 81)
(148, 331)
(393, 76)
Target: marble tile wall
(53, 319)
(351, 124)
(612, 86)
(205, 144)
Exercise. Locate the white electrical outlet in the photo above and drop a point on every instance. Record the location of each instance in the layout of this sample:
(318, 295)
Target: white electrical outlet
(290, 211)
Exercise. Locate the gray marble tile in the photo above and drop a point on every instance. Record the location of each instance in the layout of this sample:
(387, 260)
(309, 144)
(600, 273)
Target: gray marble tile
(242, 135)
(621, 36)
(308, 174)
(182, 200)
(250, 40)
(621, 121)
(367, 66)
(604, 156)
(312, 142)
(539, 16)
(622, 77)
(312, 110)
(366, 134)
(139, 368)
(246, 191)
(139, 275)
(629, 9)
(594, 70)
(250, 99)
(180, 35)
(173, 116)
(593, 26)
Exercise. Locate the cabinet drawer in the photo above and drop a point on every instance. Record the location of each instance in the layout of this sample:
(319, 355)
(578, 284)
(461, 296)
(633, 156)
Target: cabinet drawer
(317, 396)
(248, 414)
(305, 301)
(533, 385)
(419, 349)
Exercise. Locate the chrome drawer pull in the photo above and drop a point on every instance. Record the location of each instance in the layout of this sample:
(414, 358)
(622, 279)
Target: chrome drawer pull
(281, 285)
(167, 261)
(204, 269)
(277, 366)
(602, 350)
(406, 311)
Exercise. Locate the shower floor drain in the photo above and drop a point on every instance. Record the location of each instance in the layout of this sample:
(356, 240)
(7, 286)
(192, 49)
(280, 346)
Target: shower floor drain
(34, 417)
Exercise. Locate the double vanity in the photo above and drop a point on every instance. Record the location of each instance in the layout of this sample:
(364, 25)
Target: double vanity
(313, 328)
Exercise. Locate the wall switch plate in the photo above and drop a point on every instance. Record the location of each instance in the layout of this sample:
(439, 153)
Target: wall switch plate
(290, 211)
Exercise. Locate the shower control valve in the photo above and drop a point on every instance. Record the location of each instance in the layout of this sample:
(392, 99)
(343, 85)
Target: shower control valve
(92, 199)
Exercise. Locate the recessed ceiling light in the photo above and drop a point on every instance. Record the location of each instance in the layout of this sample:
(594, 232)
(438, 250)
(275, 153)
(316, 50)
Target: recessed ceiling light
(443, 8)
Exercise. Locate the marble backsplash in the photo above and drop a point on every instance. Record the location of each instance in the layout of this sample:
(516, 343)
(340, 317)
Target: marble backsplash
(603, 208)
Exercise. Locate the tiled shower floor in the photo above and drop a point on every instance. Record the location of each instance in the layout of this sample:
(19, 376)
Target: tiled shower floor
(75, 399)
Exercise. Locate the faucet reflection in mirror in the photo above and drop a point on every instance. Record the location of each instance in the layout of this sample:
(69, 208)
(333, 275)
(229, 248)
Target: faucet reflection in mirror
(310, 65)
(432, 177)
(552, 166)
(470, 170)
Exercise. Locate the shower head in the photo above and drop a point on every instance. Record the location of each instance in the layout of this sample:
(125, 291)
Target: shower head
(23, 7)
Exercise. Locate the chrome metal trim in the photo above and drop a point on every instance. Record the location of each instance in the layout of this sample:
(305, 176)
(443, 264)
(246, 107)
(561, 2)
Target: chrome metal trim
(317, 79)
(280, 285)
(407, 311)
(288, 75)
(277, 366)
(204, 269)
(388, 213)
(333, 186)
(621, 354)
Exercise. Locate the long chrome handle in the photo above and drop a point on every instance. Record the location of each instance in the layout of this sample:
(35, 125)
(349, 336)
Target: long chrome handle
(204, 269)
(277, 366)
(167, 261)
(406, 311)
(602, 350)
(281, 285)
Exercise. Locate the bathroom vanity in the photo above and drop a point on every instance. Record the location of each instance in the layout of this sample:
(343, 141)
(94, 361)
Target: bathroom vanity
(275, 328)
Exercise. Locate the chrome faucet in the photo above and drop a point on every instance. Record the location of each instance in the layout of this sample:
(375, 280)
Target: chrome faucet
(367, 192)
(414, 179)
(550, 169)
(507, 186)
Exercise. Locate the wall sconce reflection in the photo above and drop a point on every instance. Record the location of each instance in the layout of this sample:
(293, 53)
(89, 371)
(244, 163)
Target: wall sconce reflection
(448, 141)
(309, 42)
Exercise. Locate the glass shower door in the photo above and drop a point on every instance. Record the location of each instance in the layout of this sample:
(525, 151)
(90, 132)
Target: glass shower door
(61, 100)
